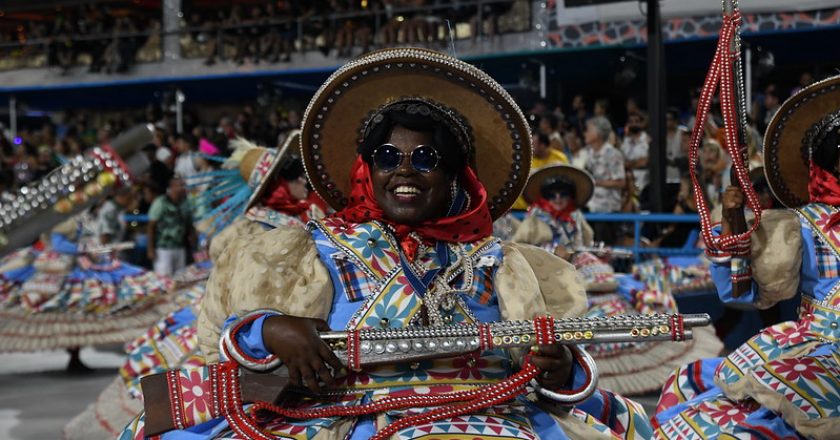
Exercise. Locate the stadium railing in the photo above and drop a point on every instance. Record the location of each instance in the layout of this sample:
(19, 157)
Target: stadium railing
(380, 16)
(638, 220)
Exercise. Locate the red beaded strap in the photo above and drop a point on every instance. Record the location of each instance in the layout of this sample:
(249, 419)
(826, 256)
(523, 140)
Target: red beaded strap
(677, 328)
(721, 73)
(231, 395)
(544, 330)
(353, 357)
(173, 379)
(485, 337)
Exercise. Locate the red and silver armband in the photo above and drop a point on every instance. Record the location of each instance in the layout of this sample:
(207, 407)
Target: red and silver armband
(229, 348)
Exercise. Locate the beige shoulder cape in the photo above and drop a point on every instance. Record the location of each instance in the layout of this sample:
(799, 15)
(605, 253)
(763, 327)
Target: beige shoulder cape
(280, 269)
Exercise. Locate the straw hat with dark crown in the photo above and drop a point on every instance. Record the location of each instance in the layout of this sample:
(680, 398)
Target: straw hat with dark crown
(486, 118)
(582, 180)
(245, 177)
(796, 129)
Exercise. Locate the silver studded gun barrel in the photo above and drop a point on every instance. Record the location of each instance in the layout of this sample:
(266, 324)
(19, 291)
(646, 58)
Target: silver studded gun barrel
(71, 188)
(383, 346)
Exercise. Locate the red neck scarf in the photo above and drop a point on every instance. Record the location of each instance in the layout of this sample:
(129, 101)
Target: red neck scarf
(824, 188)
(281, 200)
(564, 215)
(472, 225)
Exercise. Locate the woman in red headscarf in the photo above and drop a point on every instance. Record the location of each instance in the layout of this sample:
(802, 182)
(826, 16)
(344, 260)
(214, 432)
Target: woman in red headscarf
(410, 245)
(783, 382)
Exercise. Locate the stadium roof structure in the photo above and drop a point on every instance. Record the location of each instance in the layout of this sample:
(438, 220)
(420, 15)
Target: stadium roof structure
(575, 68)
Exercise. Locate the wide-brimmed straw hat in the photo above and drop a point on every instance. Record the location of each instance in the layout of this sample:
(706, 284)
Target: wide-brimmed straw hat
(335, 121)
(793, 132)
(228, 193)
(260, 177)
(582, 180)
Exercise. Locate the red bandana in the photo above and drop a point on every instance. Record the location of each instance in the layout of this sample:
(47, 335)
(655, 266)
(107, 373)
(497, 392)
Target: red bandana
(824, 188)
(281, 200)
(564, 214)
(470, 226)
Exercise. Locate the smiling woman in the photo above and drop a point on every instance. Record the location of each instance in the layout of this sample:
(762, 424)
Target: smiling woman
(441, 150)
(405, 194)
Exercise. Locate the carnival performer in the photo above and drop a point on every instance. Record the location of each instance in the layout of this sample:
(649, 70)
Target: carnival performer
(782, 383)
(272, 188)
(410, 244)
(76, 293)
(554, 223)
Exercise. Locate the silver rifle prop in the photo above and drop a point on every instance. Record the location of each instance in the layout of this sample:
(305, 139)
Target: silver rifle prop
(601, 250)
(107, 248)
(385, 346)
(411, 344)
(70, 189)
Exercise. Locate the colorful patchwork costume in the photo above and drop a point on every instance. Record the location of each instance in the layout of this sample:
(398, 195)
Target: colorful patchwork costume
(68, 298)
(625, 368)
(357, 271)
(172, 342)
(784, 383)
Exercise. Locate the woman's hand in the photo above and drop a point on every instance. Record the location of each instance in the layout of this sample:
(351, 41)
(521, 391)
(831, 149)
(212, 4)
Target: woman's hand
(563, 252)
(733, 198)
(732, 203)
(296, 342)
(555, 361)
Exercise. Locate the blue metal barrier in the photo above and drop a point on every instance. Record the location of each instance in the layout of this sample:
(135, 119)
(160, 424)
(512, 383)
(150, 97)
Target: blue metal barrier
(141, 218)
(638, 220)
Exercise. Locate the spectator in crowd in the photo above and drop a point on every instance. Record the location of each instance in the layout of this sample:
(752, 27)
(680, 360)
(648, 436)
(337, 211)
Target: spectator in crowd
(186, 164)
(632, 106)
(602, 108)
(805, 80)
(676, 234)
(712, 164)
(549, 125)
(279, 32)
(765, 106)
(170, 229)
(579, 115)
(486, 23)
(579, 153)
(158, 171)
(676, 154)
(606, 165)
(543, 155)
(635, 147)
(109, 226)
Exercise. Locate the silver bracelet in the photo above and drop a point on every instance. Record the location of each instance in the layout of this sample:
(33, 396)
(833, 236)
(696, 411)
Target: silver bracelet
(229, 347)
(571, 399)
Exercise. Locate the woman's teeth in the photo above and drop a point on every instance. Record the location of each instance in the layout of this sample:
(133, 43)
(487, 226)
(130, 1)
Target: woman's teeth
(406, 190)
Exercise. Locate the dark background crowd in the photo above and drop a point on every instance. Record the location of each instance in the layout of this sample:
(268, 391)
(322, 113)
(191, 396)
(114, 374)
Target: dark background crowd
(575, 128)
(111, 36)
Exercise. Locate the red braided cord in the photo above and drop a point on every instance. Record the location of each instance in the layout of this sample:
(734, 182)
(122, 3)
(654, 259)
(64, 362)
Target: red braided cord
(720, 73)
(512, 387)
(471, 400)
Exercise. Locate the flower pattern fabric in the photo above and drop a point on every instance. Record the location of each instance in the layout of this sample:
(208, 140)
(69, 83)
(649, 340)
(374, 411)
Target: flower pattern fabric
(784, 380)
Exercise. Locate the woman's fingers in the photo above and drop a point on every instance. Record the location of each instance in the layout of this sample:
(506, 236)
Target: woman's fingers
(556, 363)
(294, 374)
(323, 373)
(547, 363)
(330, 358)
(307, 374)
